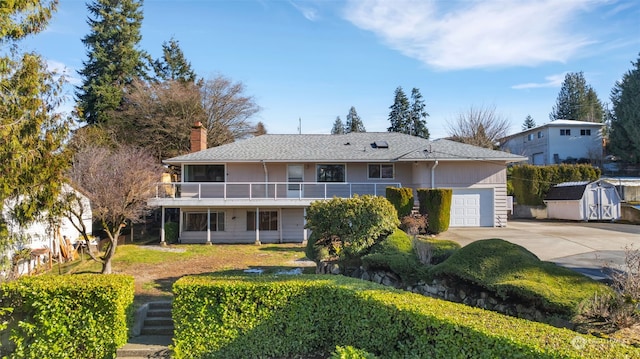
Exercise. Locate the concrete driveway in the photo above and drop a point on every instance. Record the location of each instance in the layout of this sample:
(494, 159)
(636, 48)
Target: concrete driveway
(586, 247)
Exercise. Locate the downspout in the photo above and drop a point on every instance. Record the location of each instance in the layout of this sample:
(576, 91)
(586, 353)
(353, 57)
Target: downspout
(266, 178)
(433, 174)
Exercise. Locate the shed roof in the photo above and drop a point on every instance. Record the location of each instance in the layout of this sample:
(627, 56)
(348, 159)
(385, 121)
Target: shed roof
(566, 191)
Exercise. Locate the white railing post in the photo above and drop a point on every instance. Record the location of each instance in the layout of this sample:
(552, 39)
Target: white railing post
(199, 190)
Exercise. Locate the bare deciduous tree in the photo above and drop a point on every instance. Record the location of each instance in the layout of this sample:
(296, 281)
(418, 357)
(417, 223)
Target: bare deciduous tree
(228, 110)
(479, 126)
(118, 183)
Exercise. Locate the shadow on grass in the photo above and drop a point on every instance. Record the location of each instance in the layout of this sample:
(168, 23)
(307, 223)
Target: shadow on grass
(276, 248)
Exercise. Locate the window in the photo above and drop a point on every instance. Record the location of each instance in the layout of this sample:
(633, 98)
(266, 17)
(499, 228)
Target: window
(204, 173)
(540, 134)
(268, 221)
(565, 132)
(330, 173)
(197, 221)
(380, 171)
(586, 132)
(530, 137)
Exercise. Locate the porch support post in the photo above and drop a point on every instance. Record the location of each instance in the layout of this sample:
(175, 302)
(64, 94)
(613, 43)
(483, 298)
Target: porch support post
(304, 227)
(209, 226)
(280, 224)
(257, 242)
(162, 240)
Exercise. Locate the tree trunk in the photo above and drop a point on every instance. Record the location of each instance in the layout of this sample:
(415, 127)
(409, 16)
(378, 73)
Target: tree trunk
(111, 251)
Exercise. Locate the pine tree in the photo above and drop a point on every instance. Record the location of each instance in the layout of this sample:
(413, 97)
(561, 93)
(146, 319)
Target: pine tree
(113, 59)
(338, 127)
(417, 115)
(577, 101)
(399, 115)
(354, 123)
(625, 122)
(528, 123)
(173, 65)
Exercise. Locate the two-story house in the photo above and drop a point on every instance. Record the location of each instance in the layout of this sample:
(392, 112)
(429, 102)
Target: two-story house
(557, 142)
(258, 189)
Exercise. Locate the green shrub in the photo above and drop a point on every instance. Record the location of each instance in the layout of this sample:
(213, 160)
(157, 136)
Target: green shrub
(401, 198)
(441, 249)
(436, 204)
(511, 271)
(171, 232)
(531, 183)
(73, 316)
(286, 317)
(395, 254)
(350, 352)
(348, 227)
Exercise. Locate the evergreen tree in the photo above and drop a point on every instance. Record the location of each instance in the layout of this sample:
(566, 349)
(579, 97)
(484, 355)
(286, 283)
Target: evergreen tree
(354, 123)
(625, 122)
(32, 135)
(528, 123)
(338, 127)
(417, 115)
(577, 101)
(173, 65)
(113, 59)
(399, 115)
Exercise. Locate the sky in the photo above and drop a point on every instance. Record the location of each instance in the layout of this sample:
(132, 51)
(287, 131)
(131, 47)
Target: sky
(307, 62)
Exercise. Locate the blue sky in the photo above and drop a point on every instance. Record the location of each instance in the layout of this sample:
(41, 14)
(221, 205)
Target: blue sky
(313, 60)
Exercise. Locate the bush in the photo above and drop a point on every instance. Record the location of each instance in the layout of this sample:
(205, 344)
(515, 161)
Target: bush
(414, 224)
(440, 249)
(436, 204)
(395, 254)
(348, 227)
(511, 271)
(350, 352)
(72, 316)
(171, 232)
(401, 198)
(531, 183)
(286, 317)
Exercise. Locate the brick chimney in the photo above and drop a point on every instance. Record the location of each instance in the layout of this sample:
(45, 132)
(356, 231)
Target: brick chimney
(198, 137)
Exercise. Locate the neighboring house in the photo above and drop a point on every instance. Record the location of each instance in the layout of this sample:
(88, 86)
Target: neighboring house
(43, 237)
(559, 141)
(258, 189)
(583, 201)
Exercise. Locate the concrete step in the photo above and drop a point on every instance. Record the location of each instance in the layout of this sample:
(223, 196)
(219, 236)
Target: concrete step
(155, 321)
(146, 346)
(165, 313)
(160, 305)
(157, 330)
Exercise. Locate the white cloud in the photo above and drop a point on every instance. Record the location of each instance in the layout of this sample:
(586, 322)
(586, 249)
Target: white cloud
(474, 34)
(60, 69)
(550, 81)
(308, 12)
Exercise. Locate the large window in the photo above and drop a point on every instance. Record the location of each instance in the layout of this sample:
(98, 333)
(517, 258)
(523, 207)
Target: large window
(204, 173)
(380, 171)
(565, 132)
(268, 221)
(330, 173)
(197, 221)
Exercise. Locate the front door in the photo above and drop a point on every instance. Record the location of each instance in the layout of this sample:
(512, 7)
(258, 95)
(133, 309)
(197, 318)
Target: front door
(295, 175)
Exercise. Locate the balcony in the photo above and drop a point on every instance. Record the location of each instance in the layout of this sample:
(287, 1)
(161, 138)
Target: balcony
(181, 194)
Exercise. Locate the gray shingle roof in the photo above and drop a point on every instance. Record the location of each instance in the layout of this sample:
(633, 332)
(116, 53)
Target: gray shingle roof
(352, 147)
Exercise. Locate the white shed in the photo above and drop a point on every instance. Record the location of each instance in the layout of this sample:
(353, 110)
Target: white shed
(583, 201)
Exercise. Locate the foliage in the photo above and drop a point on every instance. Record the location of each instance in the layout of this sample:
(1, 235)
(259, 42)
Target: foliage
(401, 198)
(20, 18)
(441, 249)
(417, 115)
(354, 123)
(528, 123)
(79, 316)
(260, 129)
(531, 183)
(577, 101)
(479, 126)
(348, 227)
(399, 114)
(171, 232)
(227, 110)
(285, 317)
(350, 352)
(113, 59)
(414, 224)
(511, 271)
(173, 66)
(395, 253)
(408, 118)
(338, 127)
(118, 183)
(436, 204)
(625, 122)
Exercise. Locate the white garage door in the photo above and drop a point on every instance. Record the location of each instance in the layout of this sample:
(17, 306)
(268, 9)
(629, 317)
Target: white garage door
(471, 208)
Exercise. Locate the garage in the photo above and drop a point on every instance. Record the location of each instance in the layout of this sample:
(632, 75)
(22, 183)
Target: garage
(471, 207)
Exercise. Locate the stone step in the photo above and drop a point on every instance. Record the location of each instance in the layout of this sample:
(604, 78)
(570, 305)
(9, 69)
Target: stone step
(155, 321)
(146, 346)
(160, 305)
(164, 313)
(157, 330)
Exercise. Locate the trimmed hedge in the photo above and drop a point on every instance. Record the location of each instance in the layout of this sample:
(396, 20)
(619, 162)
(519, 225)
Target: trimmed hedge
(531, 183)
(395, 253)
(284, 317)
(70, 316)
(401, 198)
(436, 204)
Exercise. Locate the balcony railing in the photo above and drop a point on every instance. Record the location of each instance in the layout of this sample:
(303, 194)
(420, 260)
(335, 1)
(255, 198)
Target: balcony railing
(269, 190)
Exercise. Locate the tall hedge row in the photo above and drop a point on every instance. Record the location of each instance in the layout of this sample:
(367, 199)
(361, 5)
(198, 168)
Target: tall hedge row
(435, 203)
(287, 317)
(72, 316)
(531, 183)
(401, 198)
